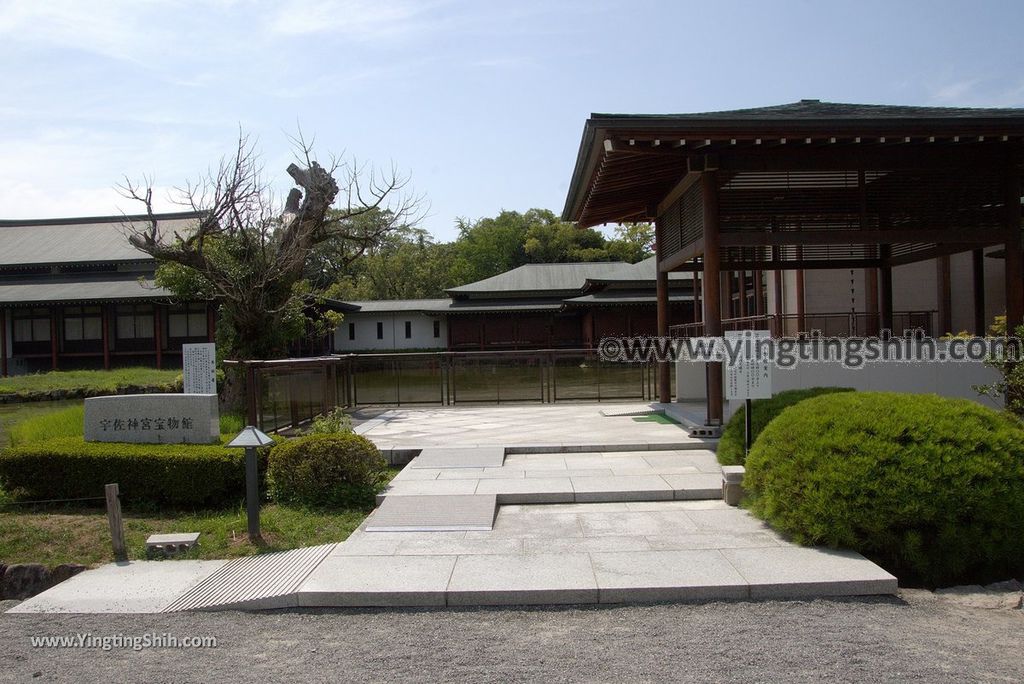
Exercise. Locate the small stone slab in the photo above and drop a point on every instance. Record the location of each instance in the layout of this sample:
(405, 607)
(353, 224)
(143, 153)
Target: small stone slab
(414, 513)
(534, 578)
(171, 543)
(696, 575)
(460, 457)
(352, 581)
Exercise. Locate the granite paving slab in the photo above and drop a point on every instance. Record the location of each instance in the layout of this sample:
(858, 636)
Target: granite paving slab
(433, 513)
(459, 457)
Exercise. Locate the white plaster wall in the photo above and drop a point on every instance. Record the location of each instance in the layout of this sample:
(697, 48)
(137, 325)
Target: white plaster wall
(394, 332)
(945, 379)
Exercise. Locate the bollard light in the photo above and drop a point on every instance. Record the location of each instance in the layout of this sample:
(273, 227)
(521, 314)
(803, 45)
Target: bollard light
(251, 439)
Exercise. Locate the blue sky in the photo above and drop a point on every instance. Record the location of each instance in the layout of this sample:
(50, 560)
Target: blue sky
(481, 102)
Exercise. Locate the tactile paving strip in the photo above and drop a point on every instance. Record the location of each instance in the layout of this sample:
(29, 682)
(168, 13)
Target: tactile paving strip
(261, 581)
(440, 513)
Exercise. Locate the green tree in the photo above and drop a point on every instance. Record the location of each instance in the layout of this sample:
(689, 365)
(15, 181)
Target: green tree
(633, 242)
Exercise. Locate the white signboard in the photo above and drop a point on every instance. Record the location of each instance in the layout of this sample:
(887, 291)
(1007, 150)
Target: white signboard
(199, 368)
(750, 377)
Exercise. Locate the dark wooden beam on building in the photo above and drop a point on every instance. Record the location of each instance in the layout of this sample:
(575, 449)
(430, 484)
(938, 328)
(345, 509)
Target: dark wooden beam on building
(661, 280)
(1014, 258)
(801, 321)
(978, 283)
(944, 295)
(777, 277)
(158, 336)
(871, 299)
(105, 324)
(54, 342)
(885, 289)
(758, 293)
(949, 236)
(712, 303)
(3, 343)
(697, 277)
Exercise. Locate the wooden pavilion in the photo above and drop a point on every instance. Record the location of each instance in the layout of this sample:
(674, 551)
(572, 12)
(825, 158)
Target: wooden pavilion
(808, 185)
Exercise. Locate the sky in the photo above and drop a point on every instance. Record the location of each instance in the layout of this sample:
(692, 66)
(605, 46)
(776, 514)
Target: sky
(480, 103)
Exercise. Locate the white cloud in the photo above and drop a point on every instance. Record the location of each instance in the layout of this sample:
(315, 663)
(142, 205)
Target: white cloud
(361, 19)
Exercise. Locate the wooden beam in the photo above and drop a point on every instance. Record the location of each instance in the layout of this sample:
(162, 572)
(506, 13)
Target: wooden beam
(759, 302)
(661, 280)
(676, 261)
(1014, 258)
(105, 323)
(978, 283)
(54, 344)
(885, 290)
(943, 295)
(3, 343)
(712, 298)
(854, 237)
(678, 191)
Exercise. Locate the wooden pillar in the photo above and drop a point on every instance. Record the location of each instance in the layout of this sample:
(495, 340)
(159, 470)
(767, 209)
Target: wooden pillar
(801, 322)
(105, 324)
(943, 297)
(661, 280)
(696, 297)
(885, 288)
(3, 343)
(712, 303)
(54, 343)
(758, 293)
(1014, 258)
(211, 323)
(871, 299)
(978, 282)
(725, 306)
(741, 286)
(158, 336)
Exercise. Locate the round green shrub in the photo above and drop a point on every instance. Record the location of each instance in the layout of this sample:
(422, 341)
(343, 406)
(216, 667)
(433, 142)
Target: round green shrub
(326, 470)
(930, 488)
(731, 445)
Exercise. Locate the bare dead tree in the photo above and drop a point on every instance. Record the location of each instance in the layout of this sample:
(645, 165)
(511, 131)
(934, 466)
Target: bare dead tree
(249, 255)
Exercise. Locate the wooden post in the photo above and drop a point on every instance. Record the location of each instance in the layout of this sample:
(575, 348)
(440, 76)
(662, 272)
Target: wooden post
(105, 323)
(158, 336)
(113, 496)
(661, 280)
(778, 276)
(726, 307)
(758, 293)
(885, 288)
(249, 372)
(211, 324)
(943, 296)
(871, 299)
(801, 321)
(742, 289)
(54, 344)
(3, 343)
(696, 297)
(712, 294)
(1014, 259)
(978, 281)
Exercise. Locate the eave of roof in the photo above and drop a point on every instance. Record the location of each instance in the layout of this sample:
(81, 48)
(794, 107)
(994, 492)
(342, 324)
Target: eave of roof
(67, 290)
(795, 119)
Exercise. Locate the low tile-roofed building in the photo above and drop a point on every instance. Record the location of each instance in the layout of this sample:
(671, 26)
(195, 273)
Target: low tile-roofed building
(75, 292)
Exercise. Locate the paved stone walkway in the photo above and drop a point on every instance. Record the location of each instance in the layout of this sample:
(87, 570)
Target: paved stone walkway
(590, 509)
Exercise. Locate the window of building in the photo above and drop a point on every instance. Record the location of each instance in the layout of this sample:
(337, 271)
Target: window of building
(437, 328)
(31, 325)
(187, 320)
(135, 321)
(380, 330)
(83, 323)
(351, 331)
(408, 330)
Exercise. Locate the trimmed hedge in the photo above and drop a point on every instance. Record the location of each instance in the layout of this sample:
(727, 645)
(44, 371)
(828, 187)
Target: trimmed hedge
(178, 475)
(730, 447)
(930, 488)
(326, 470)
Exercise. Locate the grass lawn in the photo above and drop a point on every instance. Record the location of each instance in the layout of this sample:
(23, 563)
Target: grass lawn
(96, 380)
(82, 536)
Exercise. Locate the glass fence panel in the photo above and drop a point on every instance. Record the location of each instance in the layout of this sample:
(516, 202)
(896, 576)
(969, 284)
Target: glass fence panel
(375, 380)
(576, 377)
(621, 380)
(473, 380)
(420, 380)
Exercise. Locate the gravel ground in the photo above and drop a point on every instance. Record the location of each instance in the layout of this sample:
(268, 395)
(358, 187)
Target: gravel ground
(917, 637)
